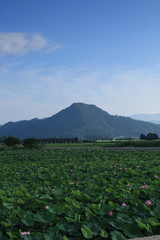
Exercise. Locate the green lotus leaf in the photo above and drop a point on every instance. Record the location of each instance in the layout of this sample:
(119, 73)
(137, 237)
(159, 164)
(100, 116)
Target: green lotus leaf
(117, 235)
(87, 233)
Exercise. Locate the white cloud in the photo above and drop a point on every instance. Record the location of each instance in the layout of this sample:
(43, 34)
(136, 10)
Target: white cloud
(41, 91)
(52, 47)
(21, 43)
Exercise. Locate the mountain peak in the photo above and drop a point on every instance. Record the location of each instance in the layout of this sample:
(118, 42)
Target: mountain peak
(86, 107)
(80, 104)
(85, 121)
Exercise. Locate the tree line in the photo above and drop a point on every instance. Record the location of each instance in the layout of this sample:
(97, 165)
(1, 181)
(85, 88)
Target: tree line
(11, 141)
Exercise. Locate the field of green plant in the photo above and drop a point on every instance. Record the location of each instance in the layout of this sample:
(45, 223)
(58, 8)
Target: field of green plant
(76, 194)
(108, 143)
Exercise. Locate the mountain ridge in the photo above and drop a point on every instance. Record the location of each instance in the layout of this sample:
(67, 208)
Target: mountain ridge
(85, 121)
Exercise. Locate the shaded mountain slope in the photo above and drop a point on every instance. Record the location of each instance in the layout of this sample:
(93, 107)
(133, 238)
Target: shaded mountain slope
(82, 121)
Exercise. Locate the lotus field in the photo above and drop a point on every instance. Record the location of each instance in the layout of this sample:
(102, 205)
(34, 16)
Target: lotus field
(76, 194)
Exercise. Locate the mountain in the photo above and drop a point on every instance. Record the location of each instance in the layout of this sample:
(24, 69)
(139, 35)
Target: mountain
(80, 120)
(153, 118)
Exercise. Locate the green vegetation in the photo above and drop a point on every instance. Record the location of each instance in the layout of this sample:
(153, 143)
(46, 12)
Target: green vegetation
(132, 143)
(149, 136)
(72, 143)
(75, 194)
(107, 144)
(30, 143)
(11, 141)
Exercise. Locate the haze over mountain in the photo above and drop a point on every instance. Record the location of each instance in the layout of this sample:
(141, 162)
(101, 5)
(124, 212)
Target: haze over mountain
(80, 120)
(153, 118)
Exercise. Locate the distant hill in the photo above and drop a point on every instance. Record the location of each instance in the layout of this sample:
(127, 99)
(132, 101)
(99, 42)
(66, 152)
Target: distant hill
(153, 118)
(80, 120)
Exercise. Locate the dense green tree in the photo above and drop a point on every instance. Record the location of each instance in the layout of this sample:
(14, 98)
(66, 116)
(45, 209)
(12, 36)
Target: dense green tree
(11, 141)
(151, 136)
(30, 143)
(142, 136)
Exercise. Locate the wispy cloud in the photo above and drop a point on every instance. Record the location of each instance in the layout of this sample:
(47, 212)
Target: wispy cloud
(42, 91)
(21, 43)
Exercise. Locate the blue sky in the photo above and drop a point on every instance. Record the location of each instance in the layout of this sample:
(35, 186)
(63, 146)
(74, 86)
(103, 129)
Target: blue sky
(57, 52)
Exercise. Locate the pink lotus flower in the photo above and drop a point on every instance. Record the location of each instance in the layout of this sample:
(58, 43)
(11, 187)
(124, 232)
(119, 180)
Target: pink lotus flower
(47, 207)
(110, 213)
(128, 185)
(144, 186)
(124, 205)
(156, 176)
(148, 202)
(25, 233)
